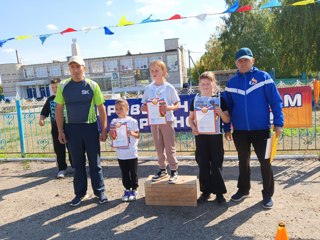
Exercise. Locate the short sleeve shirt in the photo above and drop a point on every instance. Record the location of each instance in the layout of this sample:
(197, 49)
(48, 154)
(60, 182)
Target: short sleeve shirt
(131, 151)
(80, 99)
(166, 91)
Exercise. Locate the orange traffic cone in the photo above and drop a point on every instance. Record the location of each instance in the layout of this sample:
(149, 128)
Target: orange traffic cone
(282, 232)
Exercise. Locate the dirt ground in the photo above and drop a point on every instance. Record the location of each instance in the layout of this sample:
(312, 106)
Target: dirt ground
(34, 205)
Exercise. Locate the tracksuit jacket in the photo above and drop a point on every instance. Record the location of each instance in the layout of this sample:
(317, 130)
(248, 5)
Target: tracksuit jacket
(249, 97)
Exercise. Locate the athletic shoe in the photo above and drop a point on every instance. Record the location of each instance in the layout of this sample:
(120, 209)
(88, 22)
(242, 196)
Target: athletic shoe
(267, 203)
(220, 198)
(103, 198)
(161, 174)
(126, 195)
(77, 200)
(203, 197)
(174, 177)
(239, 196)
(61, 174)
(133, 195)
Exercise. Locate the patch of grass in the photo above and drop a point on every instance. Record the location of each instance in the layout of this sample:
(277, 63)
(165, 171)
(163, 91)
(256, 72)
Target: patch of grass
(26, 164)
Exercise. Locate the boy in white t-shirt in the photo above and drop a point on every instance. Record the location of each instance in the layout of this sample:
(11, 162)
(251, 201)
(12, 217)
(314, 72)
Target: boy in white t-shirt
(127, 155)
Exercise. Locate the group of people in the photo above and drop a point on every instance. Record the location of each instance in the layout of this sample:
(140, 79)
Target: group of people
(245, 105)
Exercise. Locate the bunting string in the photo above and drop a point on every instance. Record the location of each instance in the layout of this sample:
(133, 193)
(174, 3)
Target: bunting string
(123, 22)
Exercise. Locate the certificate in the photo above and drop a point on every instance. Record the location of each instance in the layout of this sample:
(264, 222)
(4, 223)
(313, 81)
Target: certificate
(155, 117)
(121, 139)
(207, 121)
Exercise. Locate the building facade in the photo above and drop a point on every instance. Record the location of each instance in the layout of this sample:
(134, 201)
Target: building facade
(115, 74)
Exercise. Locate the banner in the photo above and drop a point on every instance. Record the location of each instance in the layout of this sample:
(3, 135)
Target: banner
(297, 110)
(181, 115)
(297, 106)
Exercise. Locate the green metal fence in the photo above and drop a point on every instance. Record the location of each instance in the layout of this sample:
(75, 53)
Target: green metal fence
(37, 140)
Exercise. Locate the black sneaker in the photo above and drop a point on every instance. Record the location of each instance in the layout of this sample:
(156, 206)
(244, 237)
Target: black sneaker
(239, 196)
(174, 177)
(77, 200)
(161, 174)
(220, 198)
(203, 197)
(103, 198)
(267, 203)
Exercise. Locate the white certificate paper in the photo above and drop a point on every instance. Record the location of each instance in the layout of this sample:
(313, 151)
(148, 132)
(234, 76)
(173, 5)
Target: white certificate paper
(121, 137)
(207, 121)
(154, 115)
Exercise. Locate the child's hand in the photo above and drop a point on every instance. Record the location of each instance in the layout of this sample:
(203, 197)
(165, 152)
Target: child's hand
(41, 122)
(144, 107)
(113, 134)
(218, 111)
(195, 131)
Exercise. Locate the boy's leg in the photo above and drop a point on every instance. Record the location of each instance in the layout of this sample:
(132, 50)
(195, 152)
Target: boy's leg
(59, 149)
(133, 168)
(125, 168)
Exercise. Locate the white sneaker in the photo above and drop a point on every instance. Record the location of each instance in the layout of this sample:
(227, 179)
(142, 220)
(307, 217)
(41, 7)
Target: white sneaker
(126, 195)
(133, 195)
(61, 174)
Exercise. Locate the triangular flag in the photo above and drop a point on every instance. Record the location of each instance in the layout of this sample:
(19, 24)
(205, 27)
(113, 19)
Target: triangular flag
(107, 31)
(123, 22)
(202, 17)
(87, 29)
(271, 4)
(245, 8)
(147, 20)
(233, 8)
(68, 30)
(301, 3)
(23, 37)
(44, 37)
(2, 42)
(175, 17)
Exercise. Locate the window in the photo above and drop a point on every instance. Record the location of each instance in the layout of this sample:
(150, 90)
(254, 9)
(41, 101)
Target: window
(55, 71)
(111, 66)
(172, 63)
(141, 63)
(28, 72)
(126, 64)
(65, 69)
(41, 72)
(96, 67)
(154, 58)
(115, 84)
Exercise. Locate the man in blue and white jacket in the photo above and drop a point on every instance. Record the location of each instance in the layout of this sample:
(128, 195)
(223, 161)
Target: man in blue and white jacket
(250, 95)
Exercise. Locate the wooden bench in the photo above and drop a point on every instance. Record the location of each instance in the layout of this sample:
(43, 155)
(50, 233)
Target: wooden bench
(182, 193)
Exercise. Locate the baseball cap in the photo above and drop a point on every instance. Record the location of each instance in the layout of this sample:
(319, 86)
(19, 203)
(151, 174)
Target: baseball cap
(76, 59)
(244, 53)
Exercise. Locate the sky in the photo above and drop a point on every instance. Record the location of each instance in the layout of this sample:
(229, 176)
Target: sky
(35, 17)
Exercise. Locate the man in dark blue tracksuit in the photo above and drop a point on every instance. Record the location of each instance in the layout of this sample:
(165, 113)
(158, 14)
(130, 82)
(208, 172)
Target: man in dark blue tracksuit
(250, 94)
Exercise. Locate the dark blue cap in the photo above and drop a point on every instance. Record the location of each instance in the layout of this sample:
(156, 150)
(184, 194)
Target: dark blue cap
(244, 53)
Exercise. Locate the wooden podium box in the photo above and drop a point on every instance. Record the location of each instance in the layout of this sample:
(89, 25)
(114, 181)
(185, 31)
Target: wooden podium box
(182, 193)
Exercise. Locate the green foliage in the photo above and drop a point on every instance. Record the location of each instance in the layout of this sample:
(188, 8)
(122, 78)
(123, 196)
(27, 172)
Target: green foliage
(286, 39)
(1, 89)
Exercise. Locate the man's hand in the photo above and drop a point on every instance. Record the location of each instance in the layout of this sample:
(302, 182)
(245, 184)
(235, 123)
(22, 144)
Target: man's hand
(278, 131)
(103, 136)
(62, 138)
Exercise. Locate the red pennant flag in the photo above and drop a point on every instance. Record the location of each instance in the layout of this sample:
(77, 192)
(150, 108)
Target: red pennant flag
(175, 17)
(245, 8)
(68, 30)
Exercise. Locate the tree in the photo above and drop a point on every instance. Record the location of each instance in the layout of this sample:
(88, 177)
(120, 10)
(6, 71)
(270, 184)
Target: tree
(1, 89)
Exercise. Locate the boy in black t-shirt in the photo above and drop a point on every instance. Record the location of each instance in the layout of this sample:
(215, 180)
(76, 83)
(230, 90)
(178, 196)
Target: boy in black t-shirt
(60, 149)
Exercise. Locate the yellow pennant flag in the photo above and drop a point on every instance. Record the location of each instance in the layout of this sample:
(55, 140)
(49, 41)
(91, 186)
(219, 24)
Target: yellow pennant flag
(23, 37)
(301, 3)
(123, 22)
